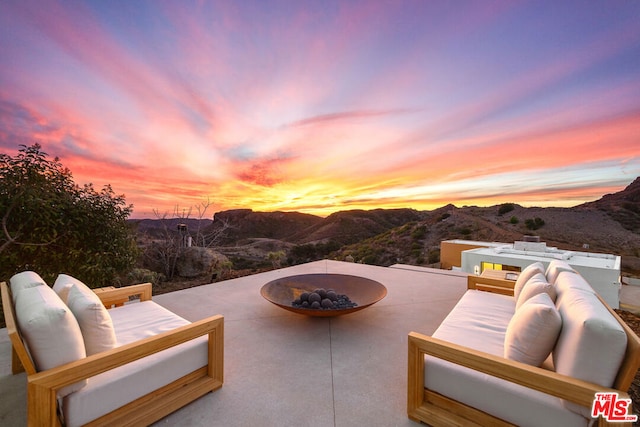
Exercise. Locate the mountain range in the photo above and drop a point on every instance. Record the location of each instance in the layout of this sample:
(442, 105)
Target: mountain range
(388, 236)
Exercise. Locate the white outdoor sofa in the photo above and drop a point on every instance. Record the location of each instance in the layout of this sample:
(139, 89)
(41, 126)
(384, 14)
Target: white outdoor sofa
(529, 353)
(130, 365)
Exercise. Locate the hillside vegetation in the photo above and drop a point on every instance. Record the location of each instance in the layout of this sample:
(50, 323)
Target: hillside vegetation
(389, 236)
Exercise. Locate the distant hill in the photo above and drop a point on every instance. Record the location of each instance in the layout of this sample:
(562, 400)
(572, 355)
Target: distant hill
(247, 224)
(609, 225)
(387, 236)
(623, 206)
(293, 227)
(351, 226)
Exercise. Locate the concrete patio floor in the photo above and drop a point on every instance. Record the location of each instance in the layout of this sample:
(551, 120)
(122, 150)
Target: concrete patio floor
(285, 369)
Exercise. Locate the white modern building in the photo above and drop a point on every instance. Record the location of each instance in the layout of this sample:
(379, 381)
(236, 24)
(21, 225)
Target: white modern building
(602, 271)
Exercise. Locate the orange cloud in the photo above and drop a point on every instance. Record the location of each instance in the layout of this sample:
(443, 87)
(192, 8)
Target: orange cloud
(321, 106)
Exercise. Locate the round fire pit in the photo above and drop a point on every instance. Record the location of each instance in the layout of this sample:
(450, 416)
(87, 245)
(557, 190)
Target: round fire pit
(359, 290)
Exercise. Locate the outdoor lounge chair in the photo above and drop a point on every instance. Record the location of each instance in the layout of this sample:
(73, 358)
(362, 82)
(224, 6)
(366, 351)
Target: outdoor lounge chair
(151, 363)
(534, 352)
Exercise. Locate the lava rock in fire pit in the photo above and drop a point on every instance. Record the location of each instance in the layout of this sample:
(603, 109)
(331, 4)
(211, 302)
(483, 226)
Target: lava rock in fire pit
(314, 297)
(323, 299)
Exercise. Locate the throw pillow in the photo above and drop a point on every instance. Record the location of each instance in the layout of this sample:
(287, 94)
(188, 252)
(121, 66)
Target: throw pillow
(536, 285)
(525, 275)
(94, 319)
(63, 285)
(533, 331)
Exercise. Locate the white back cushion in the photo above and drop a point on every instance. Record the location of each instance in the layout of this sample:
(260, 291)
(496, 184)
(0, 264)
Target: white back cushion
(555, 268)
(526, 274)
(24, 280)
(94, 319)
(533, 331)
(567, 280)
(592, 343)
(50, 330)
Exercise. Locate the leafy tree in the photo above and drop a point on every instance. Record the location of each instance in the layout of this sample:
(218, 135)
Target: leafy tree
(276, 258)
(163, 253)
(51, 225)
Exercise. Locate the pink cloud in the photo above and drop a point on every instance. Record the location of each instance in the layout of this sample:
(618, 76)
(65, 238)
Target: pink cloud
(264, 173)
(609, 139)
(316, 105)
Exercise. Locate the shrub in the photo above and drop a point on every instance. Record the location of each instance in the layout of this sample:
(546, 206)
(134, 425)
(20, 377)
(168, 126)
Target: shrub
(434, 256)
(514, 220)
(419, 232)
(465, 231)
(276, 258)
(534, 224)
(505, 208)
(311, 252)
(142, 275)
(51, 225)
(406, 229)
(370, 259)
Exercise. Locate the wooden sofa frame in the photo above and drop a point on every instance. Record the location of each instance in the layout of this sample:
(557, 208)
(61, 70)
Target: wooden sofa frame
(432, 408)
(42, 386)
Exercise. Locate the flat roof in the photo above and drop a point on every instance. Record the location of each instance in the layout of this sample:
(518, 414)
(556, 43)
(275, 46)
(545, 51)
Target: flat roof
(576, 258)
(473, 242)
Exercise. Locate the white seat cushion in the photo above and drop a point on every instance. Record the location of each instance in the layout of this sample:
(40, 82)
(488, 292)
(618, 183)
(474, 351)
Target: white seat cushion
(480, 320)
(117, 387)
(511, 402)
(533, 331)
(50, 330)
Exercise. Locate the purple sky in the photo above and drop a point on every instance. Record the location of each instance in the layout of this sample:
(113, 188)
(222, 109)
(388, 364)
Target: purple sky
(320, 106)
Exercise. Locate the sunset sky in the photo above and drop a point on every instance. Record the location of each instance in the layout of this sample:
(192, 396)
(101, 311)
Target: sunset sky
(318, 106)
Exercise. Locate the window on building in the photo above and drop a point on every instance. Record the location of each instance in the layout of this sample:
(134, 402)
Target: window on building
(496, 266)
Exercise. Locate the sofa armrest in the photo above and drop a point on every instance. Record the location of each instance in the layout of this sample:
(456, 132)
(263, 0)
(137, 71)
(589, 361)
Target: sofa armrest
(549, 382)
(20, 358)
(42, 386)
(118, 296)
(498, 286)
